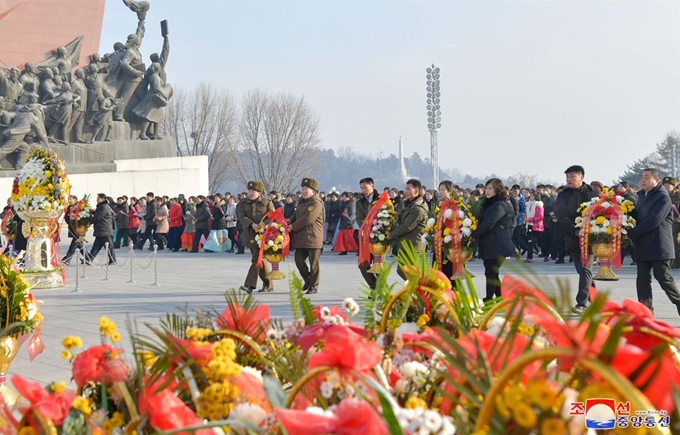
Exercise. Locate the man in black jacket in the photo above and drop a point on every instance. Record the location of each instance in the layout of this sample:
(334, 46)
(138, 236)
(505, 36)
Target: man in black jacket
(121, 210)
(151, 224)
(103, 229)
(566, 207)
(70, 219)
(652, 237)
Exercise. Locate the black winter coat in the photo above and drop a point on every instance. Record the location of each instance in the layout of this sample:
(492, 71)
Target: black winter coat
(122, 217)
(219, 212)
(103, 220)
(653, 233)
(150, 216)
(346, 215)
(202, 216)
(566, 206)
(289, 210)
(494, 232)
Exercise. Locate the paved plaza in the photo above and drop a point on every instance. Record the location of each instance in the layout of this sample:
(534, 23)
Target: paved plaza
(199, 281)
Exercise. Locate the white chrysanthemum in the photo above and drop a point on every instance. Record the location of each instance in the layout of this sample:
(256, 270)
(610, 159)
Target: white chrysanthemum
(606, 205)
(412, 368)
(461, 215)
(466, 231)
(325, 313)
(270, 243)
(447, 239)
(249, 412)
(448, 213)
(467, 222)
(431, 222)
(381, 237)
(326, 390)
(407, 328)
(423, 238)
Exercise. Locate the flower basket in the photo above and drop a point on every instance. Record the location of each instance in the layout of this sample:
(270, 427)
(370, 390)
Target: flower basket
(378, 250)
(374, 232)
(274, 242)
(602, 223)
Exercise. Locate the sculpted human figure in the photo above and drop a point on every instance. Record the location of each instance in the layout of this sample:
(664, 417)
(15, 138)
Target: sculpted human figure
(94, 81)
(58, 78)
(128, 73)
(103, 118)
(48, 87)
(29, 79)
(78, 114)
(15, 139)
(63, 62)
(10, 88)
(150, 110)
(58, 112)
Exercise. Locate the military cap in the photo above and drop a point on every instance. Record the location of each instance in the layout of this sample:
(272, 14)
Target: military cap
(311, 183)
(670, 180)
(256, 185)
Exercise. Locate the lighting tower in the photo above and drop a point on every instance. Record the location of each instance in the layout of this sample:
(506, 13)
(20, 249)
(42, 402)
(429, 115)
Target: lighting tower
(433, 119)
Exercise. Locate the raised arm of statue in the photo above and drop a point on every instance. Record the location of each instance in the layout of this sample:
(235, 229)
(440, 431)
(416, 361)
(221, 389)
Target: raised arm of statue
(163, 60)
(140, 31)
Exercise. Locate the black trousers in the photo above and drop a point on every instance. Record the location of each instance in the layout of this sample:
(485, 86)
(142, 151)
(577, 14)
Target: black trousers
(662, 273)
(493, 280)
(197, 237)
(232, 236)
(97, 246)
(147, 236)
(585, 275)
(370, 278)
(72, 250)
(123, 235)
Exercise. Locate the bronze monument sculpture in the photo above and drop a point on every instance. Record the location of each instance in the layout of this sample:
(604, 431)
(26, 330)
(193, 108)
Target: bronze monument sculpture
(116, 97)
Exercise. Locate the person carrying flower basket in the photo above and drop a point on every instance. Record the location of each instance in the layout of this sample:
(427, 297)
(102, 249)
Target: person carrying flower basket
(411, 220)
(364, 205)
(251, 211)
(307, 226)
(71, 218)
(652, 238)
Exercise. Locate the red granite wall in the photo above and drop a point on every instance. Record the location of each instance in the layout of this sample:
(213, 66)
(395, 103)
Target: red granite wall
(31, 29)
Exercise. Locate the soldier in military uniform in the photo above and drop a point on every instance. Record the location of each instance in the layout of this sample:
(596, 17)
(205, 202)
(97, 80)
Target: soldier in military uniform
(368, 197)
(251, 211)
(671, 185)
(307, 227)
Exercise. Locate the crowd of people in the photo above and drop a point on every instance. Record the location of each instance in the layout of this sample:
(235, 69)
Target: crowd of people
(514, 222)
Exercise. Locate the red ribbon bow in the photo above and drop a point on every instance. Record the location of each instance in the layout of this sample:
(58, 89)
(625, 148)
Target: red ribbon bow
(365, 231)
(275, 216)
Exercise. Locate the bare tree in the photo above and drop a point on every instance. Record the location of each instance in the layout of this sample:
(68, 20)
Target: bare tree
(203, 121)
(279, 140)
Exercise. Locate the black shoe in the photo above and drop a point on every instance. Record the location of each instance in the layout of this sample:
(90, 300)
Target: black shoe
(305, 287)
(240, 253)
(266, 290)
(560, 261)
(112, 263)
(343, 253)
(634, 263)
(175, 250)
(248, 289)
(311, 291)
(571, 259)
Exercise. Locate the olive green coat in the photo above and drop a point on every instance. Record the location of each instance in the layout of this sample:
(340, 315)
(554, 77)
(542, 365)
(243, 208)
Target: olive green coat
(363, 207)
(252, 212)
(410, 224)
(307, 224)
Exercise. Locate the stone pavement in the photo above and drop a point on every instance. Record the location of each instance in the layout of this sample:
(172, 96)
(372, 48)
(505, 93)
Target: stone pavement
(199, 281)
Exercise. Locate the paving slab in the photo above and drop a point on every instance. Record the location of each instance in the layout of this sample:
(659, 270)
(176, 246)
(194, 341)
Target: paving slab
(199, 280)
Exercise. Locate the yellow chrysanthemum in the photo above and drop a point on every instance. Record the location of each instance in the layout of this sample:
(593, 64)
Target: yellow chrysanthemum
(71, 342)
(27, 430)
(58, 387)
(115, 337)
(423, 320)
(106, 326)
(65, 354)
(540, 394)
(414, 402)
(553, 426)
(524, 415)
(83, 405)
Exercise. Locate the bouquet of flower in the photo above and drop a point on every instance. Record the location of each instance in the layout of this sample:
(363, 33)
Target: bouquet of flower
(273, 241)
(42, 184)
(19, 312)
(9, 226)
(602, 222)
(374, 231)
(81, 214)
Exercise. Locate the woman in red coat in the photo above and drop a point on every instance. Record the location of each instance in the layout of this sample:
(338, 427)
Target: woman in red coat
(175, 215)
(133, 220)
(534, 225)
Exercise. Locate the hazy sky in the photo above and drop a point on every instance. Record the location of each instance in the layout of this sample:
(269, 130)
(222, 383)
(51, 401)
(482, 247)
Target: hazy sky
(527, 86)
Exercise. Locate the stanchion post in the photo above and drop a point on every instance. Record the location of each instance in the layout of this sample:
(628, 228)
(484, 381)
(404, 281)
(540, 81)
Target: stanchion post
(155, 267)
(131, 256)
(77, 289)
(106, 267)
(83, 246)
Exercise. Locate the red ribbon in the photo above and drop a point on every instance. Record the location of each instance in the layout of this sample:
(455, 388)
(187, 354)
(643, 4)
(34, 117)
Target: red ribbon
(615, 219)
(365, 231)
(456, 244)
(275, 216)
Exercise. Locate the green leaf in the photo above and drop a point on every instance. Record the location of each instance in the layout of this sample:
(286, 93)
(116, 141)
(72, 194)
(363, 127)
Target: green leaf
(388, 415)
(274, 391)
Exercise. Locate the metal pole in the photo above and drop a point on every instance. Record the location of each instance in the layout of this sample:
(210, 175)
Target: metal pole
(434, 151)
(131, 255)
(85, 258)
(155, 266)
(77, 289)
(106, 268)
